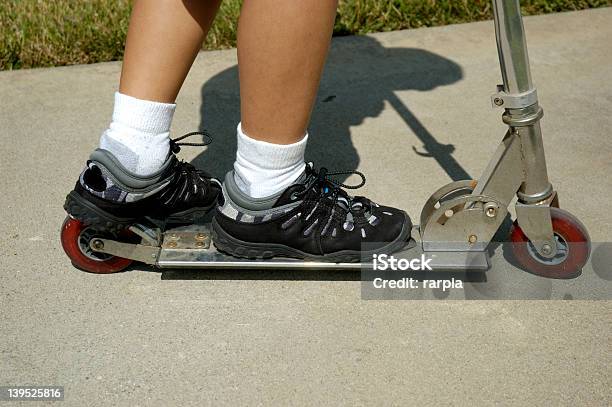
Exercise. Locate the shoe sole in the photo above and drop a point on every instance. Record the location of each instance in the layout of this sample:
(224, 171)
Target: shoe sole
(83, 210)
(226, 243)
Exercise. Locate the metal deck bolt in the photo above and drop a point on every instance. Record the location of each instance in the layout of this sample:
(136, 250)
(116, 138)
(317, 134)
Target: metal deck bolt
(472, 239)
(490, 209)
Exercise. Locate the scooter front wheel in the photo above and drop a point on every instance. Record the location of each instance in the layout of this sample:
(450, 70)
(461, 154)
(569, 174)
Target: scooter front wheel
(75, 237)
(573, 248)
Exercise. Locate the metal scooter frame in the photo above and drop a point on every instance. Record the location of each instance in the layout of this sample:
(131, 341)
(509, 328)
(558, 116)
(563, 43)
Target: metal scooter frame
(457, 222)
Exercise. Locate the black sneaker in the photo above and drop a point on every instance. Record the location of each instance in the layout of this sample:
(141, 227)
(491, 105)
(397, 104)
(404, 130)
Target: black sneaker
(109, 196)
(312, 219)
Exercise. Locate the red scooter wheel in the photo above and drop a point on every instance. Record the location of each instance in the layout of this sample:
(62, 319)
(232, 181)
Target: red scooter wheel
(573, 248)
(75, 238)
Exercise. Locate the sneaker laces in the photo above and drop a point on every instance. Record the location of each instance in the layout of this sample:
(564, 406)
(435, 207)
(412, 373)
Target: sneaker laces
(189, 179)
(329, 186)
(175, 146)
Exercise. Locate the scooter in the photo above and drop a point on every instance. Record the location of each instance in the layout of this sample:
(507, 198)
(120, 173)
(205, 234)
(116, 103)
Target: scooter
(457, 222)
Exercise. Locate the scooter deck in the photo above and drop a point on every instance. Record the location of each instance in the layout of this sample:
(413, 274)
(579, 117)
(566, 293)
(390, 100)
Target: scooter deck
(190, 247)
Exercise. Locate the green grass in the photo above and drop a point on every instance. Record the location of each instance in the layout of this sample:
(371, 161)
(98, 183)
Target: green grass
(37, 33)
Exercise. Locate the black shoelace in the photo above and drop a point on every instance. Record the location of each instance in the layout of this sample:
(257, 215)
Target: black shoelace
(189, 180)
(175, 146)
(329, 186)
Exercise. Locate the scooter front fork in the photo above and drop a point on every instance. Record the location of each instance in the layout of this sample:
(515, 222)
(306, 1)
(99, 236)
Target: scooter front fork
(522, 114)
(466, 218)
(535, 194)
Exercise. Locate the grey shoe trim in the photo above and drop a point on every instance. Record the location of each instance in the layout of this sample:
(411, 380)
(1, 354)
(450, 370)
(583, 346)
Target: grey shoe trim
(243, 200)
(234, 211)
(124, 177)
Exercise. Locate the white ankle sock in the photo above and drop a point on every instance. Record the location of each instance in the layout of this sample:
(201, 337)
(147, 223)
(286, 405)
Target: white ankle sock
(262, 169)
(138, 133)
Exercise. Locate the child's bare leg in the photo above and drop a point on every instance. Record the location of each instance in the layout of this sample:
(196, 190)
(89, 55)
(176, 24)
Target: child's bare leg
(163, 39)
(282, 46)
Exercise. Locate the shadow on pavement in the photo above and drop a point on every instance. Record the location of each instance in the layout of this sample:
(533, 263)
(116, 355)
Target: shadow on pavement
(300, 275)
(269, 275)
(359, 77)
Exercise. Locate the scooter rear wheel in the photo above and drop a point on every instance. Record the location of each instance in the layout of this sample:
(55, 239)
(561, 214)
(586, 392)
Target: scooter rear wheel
(573, 248)
(75, 237)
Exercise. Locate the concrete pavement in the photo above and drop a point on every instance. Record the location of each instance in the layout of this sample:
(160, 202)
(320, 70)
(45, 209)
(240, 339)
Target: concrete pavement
(176, 338)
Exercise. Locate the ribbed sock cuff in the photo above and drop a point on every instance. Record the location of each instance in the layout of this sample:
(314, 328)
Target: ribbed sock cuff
(143, 115)
(264, 155)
